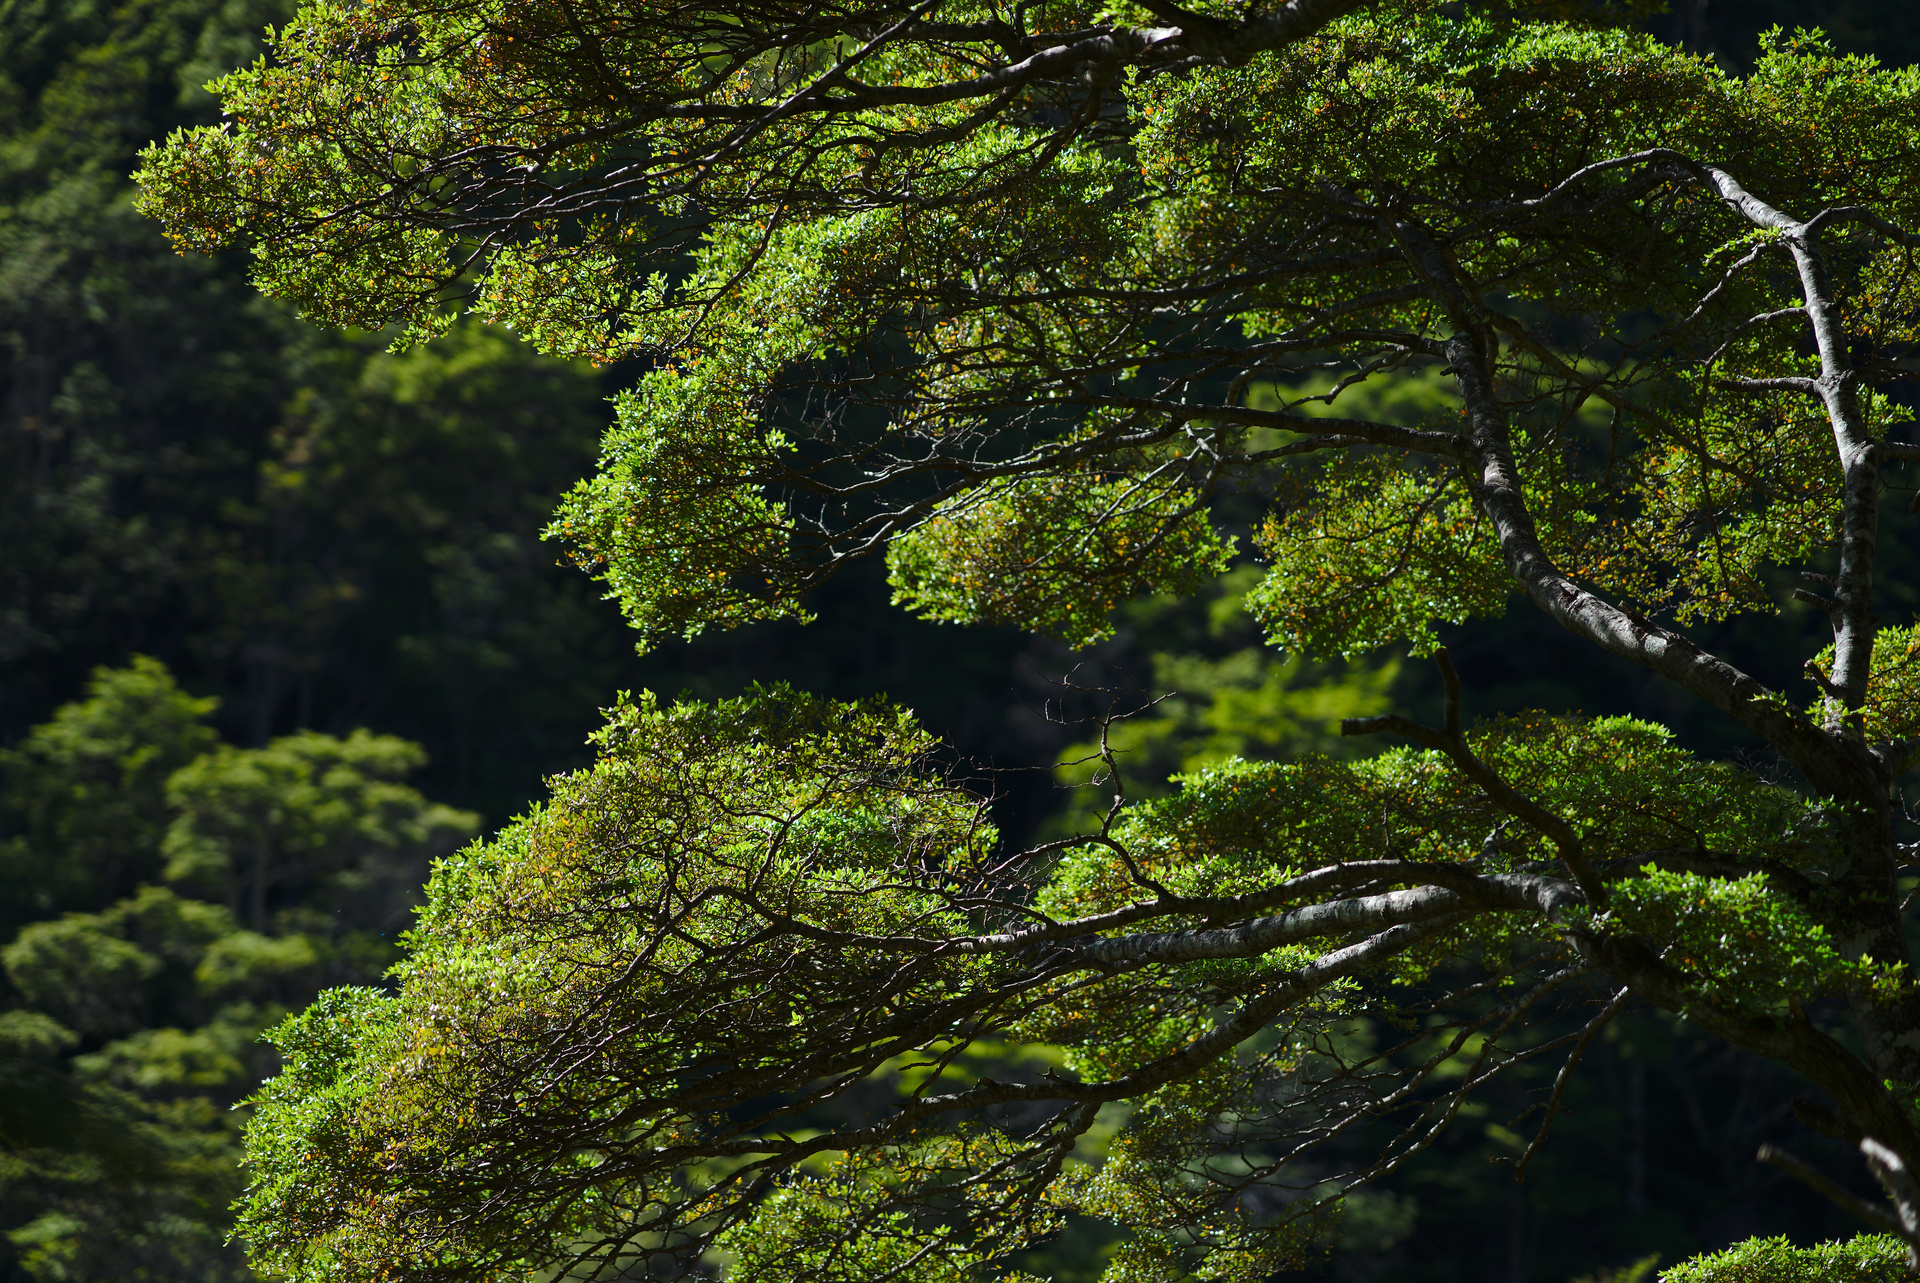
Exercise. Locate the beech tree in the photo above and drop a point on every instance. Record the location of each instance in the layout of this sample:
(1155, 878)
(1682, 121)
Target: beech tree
(1014, 295)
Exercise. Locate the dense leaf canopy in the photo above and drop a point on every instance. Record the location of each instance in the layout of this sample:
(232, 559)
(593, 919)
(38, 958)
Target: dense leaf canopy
(1032, 300)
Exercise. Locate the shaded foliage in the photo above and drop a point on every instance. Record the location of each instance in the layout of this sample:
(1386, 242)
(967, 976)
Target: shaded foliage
(132, 1017)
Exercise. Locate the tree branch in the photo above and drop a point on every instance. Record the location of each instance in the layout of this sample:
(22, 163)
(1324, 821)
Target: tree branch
(1561, 1079)
(1838, 388)
(1878, 1217)
(1453, 743)
(1338, 917)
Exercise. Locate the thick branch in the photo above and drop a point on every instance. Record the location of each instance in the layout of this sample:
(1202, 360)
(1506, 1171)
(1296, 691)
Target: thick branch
(1496, 485)
(1838, 387)
(1506, 892)
(1797, 1043)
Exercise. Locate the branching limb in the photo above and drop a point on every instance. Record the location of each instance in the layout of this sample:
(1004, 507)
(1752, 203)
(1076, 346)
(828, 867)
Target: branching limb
(1275, 997)
(1331, 878)
(1861, 214)
(1496, 484)
(1796, 1042)
(1838, 389)
(1561, 1079)
(1453, 742)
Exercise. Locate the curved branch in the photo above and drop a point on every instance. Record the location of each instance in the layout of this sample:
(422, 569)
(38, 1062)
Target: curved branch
(1496, 485)
(1795, 1042)
(1878, 1217)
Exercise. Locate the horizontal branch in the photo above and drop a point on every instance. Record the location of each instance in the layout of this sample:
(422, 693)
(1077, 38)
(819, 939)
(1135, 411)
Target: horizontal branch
(1785, 384)
(1496, 486)
(1567, 184)
(1505, 891)
(1338, 917)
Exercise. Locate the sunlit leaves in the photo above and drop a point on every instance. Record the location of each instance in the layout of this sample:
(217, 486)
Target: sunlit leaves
(1375, 554)
(1891, 711)
(1055, 555)
(1740, 488)
(1866, 1258)
(673, 520)
(1741, 944)
(937, 1208)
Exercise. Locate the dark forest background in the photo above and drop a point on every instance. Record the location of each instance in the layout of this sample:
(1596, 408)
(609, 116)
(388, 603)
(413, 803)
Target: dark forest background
(276, 628)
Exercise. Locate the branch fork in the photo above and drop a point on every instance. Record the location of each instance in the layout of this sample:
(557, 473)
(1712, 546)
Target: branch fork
(1452, 741)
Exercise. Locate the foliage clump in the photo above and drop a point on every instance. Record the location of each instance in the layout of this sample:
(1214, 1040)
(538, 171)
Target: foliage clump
(1870, 1258)
(136, 998)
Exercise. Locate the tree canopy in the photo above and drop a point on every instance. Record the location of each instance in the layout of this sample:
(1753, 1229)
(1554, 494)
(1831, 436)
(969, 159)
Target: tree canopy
(1038, 301)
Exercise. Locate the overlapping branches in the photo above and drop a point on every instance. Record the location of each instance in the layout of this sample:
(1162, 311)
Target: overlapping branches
(763, 937)
(1016, 296)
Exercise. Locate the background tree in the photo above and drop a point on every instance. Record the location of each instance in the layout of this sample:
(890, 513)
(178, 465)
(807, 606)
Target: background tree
(192, 474)
(321, 534)
(995, 290)
(131, 1021)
